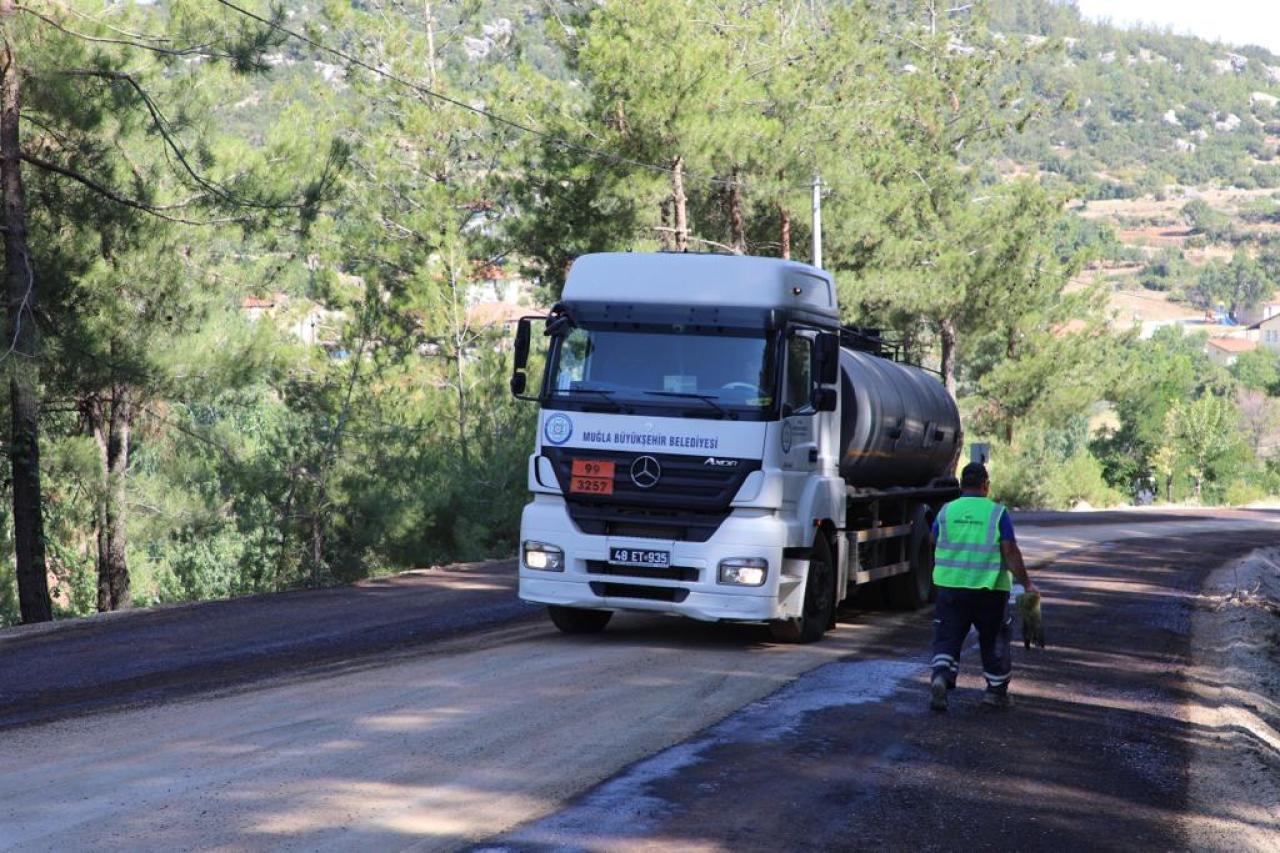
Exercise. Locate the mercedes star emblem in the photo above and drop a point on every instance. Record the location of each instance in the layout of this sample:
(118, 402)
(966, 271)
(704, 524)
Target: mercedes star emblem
(645, 472)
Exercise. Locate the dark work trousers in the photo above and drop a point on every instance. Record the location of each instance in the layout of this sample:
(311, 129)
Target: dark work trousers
(984, 609)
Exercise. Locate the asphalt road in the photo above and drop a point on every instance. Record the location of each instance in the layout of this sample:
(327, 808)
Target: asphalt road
(123, 660)
(428, 712)
(1093, 757)
(136, 657)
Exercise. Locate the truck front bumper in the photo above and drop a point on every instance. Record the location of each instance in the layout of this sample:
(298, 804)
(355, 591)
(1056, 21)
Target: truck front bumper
(583, 583)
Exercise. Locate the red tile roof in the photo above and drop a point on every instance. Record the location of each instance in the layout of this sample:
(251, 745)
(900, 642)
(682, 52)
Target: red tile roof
(1233, 344)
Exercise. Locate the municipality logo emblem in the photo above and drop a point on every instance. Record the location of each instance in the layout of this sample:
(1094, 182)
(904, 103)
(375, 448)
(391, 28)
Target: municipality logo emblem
(558, 429)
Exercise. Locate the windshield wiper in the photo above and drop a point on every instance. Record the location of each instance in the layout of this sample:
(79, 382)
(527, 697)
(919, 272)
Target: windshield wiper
(607, 395)
(706, 398)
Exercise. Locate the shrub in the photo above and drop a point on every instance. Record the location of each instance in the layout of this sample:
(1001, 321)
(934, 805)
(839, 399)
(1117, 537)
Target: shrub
(1050, 468)
(1242, 492)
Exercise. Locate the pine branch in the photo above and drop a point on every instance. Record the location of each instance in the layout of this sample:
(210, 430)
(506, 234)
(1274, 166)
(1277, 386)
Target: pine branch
(162, 126)
(111, 195)
(194, 50)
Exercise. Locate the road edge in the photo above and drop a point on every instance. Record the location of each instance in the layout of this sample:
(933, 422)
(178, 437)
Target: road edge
(1233, 791)
(24, 631)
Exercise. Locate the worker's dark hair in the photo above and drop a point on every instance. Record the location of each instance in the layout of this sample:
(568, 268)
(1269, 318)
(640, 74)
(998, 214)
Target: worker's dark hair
(974, 476)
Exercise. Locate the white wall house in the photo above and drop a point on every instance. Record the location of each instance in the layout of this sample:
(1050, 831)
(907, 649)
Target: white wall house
(1225, 351)
(1267, 333)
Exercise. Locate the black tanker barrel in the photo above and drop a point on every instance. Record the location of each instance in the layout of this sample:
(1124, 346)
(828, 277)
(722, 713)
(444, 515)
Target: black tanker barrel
(898, 424)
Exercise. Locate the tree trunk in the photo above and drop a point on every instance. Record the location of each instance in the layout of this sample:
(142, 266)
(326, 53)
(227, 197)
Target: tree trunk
(785, 217)
(95, 419)
(110, 425)
(1010, 354)
(317, 547)
(20, 351)
(947, 337)
(738, 235)
(666, 233)
(680, 205)
(430, 22)
(115, 563)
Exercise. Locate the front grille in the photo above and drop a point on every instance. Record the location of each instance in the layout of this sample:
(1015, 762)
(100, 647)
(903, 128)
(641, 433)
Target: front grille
(643, 530)
(674, 573)
(689, 503)
(648, 593)
(644, 523)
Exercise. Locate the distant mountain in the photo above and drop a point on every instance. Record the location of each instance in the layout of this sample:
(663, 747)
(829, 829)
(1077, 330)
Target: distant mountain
(1150, 108)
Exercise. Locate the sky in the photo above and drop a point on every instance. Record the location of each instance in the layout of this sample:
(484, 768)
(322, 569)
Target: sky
(1232, 21)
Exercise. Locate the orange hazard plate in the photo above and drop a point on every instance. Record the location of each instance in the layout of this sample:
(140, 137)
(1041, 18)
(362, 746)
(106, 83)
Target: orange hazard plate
(591, 477)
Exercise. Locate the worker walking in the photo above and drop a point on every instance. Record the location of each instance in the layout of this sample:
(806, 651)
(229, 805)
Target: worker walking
(974, 555)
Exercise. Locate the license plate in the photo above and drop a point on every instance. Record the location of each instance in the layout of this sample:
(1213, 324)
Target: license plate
(591, 477)
(638, 557)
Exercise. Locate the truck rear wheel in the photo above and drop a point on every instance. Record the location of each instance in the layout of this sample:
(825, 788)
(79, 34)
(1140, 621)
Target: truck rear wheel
(819, 600)
(914, 589)
(575, 620)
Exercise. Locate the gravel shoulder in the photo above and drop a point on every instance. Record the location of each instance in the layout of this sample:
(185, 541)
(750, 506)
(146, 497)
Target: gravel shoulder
(1235, 766)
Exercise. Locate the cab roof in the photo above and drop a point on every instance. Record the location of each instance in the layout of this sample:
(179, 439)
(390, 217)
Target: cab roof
(669, 278)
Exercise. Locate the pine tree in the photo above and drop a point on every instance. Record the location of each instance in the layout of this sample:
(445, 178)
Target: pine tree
(118, 151)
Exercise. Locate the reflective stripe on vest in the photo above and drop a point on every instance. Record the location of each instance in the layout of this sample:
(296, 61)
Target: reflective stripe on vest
(968, 548)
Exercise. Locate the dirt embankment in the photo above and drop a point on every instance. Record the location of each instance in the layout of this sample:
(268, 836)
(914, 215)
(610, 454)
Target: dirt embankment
(1235, 769)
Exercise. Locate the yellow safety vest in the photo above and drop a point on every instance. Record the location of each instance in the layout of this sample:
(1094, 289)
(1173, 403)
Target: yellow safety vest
(968, 548)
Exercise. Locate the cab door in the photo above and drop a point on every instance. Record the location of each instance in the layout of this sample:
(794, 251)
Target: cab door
(798, 432)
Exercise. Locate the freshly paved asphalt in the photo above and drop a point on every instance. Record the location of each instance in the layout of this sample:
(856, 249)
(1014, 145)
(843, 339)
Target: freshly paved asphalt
(48, 672)
(432, 711)
(1094, 755)
(93, 664)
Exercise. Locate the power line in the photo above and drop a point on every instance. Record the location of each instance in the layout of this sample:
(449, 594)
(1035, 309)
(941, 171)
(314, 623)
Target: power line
(480, 111)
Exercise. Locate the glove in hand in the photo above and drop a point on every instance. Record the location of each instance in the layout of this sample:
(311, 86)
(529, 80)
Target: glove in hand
(1028, 605)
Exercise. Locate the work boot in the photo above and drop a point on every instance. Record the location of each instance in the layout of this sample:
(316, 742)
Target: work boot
(938, 692)
(997, 700)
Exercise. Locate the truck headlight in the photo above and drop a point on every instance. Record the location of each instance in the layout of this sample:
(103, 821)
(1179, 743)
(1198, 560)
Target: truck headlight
(744, 571)
(544, 557)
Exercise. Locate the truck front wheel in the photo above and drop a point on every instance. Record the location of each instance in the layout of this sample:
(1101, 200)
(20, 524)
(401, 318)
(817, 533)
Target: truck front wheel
(575, 620)
(819, 600)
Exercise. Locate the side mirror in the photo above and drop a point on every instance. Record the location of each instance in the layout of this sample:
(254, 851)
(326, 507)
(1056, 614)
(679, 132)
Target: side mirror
(824, 399)
(522, 344)
(520, 370)
(827, 355)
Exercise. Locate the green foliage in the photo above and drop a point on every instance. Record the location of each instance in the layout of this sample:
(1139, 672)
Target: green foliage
(1203, 439)
(1242, 283)
(1241, 492)
(1168, 271)
(1149, 377)
(1207, 221)
(1258, 369)
(1050, 467)
(1077, 239)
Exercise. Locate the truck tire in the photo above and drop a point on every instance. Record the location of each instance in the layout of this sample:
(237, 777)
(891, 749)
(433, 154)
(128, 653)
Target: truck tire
(575, 620)
(819, 600)
(914, 589)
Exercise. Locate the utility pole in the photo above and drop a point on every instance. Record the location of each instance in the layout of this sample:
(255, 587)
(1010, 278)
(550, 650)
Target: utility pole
(817, 220)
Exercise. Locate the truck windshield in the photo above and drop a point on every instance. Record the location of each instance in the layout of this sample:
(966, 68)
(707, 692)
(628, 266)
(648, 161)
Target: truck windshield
(711, 373)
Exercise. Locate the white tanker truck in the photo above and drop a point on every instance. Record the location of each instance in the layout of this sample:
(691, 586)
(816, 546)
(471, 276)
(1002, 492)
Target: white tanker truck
(712, 443)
